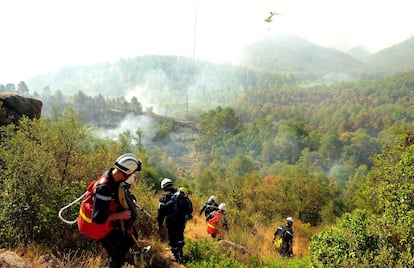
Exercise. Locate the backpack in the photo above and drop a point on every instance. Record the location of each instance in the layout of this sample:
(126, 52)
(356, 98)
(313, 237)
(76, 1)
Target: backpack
(181, 205)
(127, 201)
(85, 224)
(210, 207)
(278, 238)
(213, 220)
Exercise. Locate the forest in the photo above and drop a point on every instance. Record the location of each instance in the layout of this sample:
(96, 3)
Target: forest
(337, 158)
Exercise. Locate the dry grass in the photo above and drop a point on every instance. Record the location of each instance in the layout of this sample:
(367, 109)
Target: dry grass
(38, 256)
(196, 228)
(258, 244)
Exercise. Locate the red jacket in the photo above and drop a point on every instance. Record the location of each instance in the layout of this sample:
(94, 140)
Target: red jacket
(86, 224)
(217, 224)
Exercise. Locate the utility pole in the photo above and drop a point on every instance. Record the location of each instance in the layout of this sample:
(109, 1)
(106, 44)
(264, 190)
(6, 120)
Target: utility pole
(194, 49)
(186, 104)
(195, 32)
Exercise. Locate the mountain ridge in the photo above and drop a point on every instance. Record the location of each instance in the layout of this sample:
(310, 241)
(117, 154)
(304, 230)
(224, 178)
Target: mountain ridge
(295, 54)
(283, 59)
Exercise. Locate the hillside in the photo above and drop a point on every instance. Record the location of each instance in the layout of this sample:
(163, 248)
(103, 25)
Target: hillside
(360, 53)
(314, 152)
(293, 54)
(398, 58)
(165, 84)
(179, 85)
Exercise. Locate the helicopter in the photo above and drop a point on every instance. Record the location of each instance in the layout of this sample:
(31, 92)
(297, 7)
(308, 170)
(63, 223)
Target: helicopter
(269, 18)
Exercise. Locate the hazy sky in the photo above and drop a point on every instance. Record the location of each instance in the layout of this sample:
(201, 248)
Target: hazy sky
(39, 36)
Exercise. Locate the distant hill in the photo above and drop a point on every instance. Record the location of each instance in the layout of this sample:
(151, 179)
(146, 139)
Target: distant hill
(360, 53)
(286, 53)
(161, 83)
(398, 58)
(293, 54)
(273, 62)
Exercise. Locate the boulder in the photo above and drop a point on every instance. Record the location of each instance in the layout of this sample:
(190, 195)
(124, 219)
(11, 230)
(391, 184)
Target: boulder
(9, 259)
(15, 106)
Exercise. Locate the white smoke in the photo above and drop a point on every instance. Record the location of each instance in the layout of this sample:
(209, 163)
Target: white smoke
(144, 96)
(132, 123)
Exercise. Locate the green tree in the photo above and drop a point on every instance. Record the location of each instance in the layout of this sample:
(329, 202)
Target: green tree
(46, 163)
(330, 148)
(384, 238)
(308, 192)
(219, 122)
(354, 196)
(349, 244)
(241, 165)
(136, 105)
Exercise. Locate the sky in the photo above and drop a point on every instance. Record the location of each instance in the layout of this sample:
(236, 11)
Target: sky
(42, 36)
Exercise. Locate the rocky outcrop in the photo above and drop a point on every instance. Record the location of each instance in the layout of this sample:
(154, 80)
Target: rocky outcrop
(9, 259)
(14, 106)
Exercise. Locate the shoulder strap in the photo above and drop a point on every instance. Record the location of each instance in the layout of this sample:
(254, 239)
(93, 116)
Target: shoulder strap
(99, 182)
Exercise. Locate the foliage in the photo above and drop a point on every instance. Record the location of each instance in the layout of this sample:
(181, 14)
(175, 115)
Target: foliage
(280, 263)
(294, 192)
(385, 236)
(204, 253)
(207, 253)
(281, 151)
(47, 163)
(175, 84)
(350, 242)
(145, 225)
(39, 164)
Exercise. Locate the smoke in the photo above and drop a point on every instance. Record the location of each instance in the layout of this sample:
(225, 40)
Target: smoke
(132, 123)
(155, 93)
(145, 97)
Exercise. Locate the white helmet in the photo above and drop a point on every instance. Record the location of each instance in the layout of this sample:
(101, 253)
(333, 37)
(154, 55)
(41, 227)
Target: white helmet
(213, 197)
(222, 206)
(128, 163)
(166, 182)
(289, 219)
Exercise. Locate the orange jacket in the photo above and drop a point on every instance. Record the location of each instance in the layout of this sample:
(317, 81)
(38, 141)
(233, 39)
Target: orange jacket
(215, 225)
(85, 224)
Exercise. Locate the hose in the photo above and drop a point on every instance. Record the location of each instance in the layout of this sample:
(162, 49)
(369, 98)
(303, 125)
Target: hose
(69, 205)
(142, 209)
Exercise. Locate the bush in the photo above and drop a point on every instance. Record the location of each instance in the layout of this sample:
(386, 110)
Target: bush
(350, 242)
(384, 238)
(206, 254)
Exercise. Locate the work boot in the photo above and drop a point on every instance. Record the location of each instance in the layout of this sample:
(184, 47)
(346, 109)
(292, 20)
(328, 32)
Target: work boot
(177, 254)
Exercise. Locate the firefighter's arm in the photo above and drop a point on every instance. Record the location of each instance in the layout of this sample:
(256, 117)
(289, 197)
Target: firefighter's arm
(202, 209)
(210, 216)
(101, 203)
(161, 229)
(161, 214)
